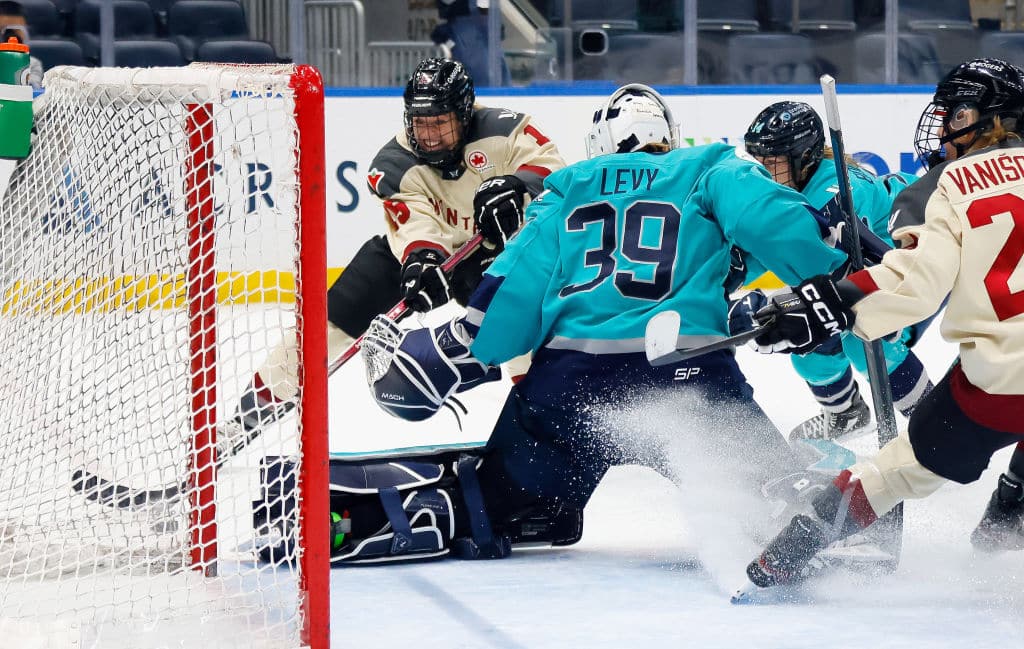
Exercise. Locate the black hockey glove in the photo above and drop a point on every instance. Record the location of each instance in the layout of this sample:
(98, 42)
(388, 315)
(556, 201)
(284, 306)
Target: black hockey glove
(796, 322)
(498, 209)
(424, 285)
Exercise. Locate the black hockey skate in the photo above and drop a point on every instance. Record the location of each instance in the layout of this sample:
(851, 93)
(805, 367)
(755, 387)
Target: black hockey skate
(786, 559)
(836, 426)
(1002, 526)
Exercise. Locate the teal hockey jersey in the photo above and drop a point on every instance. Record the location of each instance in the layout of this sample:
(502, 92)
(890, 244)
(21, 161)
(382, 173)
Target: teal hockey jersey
(615, 239)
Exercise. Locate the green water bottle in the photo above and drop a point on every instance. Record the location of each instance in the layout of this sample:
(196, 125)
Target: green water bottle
(15, 100)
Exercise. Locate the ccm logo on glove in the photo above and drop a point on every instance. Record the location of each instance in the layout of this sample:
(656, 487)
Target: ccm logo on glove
(825, 316)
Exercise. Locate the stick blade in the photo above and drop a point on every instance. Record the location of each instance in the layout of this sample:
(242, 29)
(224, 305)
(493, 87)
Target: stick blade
(661, 337)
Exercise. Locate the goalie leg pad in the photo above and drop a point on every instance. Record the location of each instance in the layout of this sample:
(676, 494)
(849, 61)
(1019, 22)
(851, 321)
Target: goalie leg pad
(418, 527)
(388, 511)
(400, 510)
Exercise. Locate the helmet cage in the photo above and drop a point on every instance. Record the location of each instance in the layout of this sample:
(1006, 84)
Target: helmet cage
(634, 116)
(438, 87)
(928, 136)
(981, 89)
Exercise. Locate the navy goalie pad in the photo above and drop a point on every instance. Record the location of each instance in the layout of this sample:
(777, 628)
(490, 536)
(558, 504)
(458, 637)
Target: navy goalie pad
(405, 508)
(413, 372)
(380, 511)
(391, 511)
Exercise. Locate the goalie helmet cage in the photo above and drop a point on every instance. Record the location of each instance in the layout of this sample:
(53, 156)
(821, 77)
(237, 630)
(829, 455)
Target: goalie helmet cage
(165, 233)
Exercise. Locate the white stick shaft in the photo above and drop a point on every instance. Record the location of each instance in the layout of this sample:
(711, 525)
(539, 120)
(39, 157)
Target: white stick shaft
(828, 93)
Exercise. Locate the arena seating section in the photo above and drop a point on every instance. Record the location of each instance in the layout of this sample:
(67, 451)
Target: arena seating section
(754, 41)
(739, 41)
(146, 32)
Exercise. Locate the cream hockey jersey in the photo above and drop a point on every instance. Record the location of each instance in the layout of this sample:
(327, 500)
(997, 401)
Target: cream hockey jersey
(960, 233)
(427, 208)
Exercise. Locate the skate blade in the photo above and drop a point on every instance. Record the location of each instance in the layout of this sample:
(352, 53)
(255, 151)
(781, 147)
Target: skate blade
(748, 593)
(780, 594)
(856, 433)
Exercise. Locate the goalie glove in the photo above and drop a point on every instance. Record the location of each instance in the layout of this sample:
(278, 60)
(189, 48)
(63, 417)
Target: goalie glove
(797, 322)
(498, 209)
(413, 372)
(424, 286)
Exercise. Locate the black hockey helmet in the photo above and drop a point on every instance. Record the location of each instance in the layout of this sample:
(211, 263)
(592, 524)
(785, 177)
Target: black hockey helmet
(438, 87)
(790, 129)
(966, 101)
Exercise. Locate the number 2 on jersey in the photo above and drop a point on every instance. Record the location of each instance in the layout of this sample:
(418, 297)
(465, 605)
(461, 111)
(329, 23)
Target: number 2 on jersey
(631, 247)
(997, 281)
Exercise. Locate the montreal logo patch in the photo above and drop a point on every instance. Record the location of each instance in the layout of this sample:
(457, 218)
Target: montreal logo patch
(477, 160)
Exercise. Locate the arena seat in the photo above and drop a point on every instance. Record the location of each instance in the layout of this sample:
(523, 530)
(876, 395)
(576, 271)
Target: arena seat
(645, 58)
(756, 59)
(918, 58)
(232, 51)
(57, 51)
(132, 19)
(727, 15)
(1008, 46)
(596, 13)
(147, 53)
(192, 22)
(935, 14)
(814, 15)
(42, 18)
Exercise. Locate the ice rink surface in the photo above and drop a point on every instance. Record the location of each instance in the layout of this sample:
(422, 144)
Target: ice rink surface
(657, 563)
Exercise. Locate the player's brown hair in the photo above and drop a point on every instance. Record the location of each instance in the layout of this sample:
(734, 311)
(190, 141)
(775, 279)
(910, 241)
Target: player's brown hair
(998, 133)
(655, 147)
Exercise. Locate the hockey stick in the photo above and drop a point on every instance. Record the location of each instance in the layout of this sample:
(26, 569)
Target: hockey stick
(107, 492)
(662, 334)
(878, 375)
(401, 310)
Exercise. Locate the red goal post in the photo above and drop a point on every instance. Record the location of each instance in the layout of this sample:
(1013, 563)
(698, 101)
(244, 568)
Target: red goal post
(166, 231)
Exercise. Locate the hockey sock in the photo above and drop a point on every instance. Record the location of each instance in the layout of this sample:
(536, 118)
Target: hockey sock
(910, 383)
(838, 395)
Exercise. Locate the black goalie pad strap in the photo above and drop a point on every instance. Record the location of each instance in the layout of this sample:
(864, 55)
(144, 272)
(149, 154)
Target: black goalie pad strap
(483, 544)
(391, 501)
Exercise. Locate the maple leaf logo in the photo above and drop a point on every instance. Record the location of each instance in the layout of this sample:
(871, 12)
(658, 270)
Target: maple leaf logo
(373, 178)
(477, 159)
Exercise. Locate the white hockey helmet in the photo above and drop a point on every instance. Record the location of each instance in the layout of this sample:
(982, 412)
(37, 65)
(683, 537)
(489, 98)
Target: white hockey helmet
(634, 116)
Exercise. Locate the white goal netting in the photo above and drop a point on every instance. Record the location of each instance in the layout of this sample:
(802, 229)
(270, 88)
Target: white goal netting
(149, 252)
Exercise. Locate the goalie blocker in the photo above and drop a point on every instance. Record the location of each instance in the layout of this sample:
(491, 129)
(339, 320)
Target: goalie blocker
(407, 508)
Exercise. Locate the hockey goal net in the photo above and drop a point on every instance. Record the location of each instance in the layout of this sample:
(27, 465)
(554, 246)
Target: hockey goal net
(166, 231)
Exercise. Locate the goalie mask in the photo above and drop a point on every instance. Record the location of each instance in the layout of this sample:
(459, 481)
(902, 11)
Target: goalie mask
(965, 105)
(439, 99)
(790, 130)
(634, 116)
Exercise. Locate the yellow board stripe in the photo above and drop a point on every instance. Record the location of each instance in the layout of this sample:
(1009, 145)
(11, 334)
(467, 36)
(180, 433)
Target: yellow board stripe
(138, 293)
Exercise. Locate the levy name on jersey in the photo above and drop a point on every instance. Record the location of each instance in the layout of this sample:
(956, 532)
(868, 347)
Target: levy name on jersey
(627, 180)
